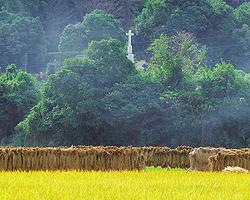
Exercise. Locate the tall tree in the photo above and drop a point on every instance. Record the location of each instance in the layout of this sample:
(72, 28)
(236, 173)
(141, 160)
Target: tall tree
(18, 94)
(175, 58)
(96, 26)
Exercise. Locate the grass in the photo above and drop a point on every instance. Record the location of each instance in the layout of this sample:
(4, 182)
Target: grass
(150, 184)
(166, 169)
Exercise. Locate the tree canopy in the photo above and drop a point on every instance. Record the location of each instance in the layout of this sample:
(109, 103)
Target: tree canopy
(194, 88)
(18, 94)
(179, 99)
(71, 104)
(96, 26)
(224, 30)
(20, 35)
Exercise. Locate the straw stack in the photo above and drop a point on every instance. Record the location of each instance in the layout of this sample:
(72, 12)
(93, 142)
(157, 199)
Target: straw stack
(75, 158)
(230, 158)
(199, 158)
(166, 157)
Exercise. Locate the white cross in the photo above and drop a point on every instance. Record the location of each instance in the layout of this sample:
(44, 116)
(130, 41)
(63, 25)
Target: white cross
(130, 48)
(130, 34)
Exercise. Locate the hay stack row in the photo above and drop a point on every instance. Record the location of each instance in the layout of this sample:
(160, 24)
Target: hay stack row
(217, 159)
(159, 156)
(92, 158)
(166, 157)
(234, 158)
(28, 159)
(122, 158)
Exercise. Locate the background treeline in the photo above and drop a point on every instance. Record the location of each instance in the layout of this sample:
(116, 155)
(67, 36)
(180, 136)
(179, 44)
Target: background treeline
(194, 91)
(30, 31)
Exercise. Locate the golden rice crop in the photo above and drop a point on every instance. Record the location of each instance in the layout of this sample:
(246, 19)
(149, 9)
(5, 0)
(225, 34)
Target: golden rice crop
(127, 185)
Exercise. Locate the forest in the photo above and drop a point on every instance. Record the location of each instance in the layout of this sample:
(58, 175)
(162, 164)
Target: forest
(194, 89)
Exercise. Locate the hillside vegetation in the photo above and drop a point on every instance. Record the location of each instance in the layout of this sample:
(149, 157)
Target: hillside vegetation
(194, 90)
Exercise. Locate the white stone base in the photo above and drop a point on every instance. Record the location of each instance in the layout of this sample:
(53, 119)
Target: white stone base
(131, 57)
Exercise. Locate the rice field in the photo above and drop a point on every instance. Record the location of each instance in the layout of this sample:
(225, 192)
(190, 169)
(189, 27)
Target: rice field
(148, 184)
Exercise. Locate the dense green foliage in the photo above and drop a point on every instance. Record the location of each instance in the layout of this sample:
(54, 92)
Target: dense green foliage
(209, 103)
(221, 25)
(20, 35)
(192, 91)
(95, 26)
(103, 100)
(18, 94)
(70, 111)
(222, 28)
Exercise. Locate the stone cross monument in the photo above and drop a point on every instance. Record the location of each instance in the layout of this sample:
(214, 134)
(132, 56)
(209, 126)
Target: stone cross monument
(130, 56)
